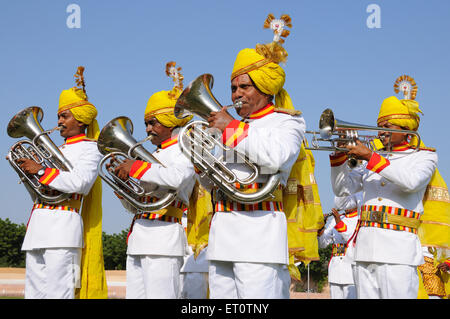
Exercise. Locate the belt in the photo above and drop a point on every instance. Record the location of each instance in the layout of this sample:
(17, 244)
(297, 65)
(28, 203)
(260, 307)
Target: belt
(171, 213)
(73, 204)
(338, 250)
(224, 204)
(390, 218)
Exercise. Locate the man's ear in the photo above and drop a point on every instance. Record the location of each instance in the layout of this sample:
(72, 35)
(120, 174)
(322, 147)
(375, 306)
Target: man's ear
(82, 126)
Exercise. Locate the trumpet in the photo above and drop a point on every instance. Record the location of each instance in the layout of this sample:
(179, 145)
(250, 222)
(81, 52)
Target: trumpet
(197, 143)
(39, 147)
(347, 133)
(116, 141)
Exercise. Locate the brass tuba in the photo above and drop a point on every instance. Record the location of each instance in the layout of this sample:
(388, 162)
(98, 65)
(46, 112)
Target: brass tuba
(337, 132)
(198, 142)
(39, 147)
(116, 140)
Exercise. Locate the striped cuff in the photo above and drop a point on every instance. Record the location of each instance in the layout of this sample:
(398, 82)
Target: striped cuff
(49, 175)
(338, 160)
(234, 133)
(341, 227)
(377, 163)
(139, 168)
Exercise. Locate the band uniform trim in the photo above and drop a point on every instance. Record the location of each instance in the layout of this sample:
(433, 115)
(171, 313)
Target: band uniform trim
(390, 218)
(338, 160)
(139, 168)
(338, 250)
(49, 175)
(377, 163)
(234, 133)
(341, 227)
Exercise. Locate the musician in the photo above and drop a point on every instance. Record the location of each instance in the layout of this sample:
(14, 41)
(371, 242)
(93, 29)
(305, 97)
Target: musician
(387, 249)
(337, 231)
(248, 247)
(54, 242)
(156, 240)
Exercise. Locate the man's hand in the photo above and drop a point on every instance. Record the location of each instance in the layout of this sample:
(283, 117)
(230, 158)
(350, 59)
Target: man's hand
(336, 215)
(123, 170)
(359, 151)
(220, 120)
(29, 166)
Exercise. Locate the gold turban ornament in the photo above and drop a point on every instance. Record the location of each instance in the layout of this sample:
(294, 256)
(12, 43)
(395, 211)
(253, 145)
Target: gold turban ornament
(93, 278)
(434, 228)
(162, 104)
(301, 201)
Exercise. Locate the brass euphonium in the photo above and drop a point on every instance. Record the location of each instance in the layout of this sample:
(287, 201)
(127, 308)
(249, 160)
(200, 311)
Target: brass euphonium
(39, 147)
(198, 142)
(338, 133)
(116, 141)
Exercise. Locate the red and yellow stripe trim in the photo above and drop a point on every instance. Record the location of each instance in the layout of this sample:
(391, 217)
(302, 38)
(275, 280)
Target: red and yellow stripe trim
(171, 141)
(228, 206)
(338, 160)
(53, 207)
(268, 109)
(49, 175)
(234, 133)
(377, 163)
(341, 227)
(139, 168)
(75, 139)
(352, 214)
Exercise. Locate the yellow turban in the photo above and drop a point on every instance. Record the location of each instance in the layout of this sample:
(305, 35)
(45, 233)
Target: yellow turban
(161, 105)
(403, 113)
(267, 75)
(75, 100)
(93, 277)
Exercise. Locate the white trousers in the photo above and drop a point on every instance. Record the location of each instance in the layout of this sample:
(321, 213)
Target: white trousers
(153, 277)
(386, 281)
(52, 273)
(194, 285)
(239, 280)
(338, 291)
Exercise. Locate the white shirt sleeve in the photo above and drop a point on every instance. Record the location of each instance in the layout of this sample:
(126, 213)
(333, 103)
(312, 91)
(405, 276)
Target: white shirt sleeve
(83, 175)
(276, 147)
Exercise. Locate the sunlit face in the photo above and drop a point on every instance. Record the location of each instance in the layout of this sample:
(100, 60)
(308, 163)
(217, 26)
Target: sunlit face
(69, 125)
(242, 88)
(388, 138)
(159, 132)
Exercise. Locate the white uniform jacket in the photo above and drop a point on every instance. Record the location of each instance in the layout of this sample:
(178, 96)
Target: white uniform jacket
(157, 237)
(59, 227)
(340, 266)
(271, 140)
(398, 180)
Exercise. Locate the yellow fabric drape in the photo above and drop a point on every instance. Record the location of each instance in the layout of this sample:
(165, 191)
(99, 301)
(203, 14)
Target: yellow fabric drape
(199, 216)
(301, 203)
(434, 230)
(93, 276)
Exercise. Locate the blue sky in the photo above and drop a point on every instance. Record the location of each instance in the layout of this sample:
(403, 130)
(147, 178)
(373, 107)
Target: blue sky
(335, 60)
